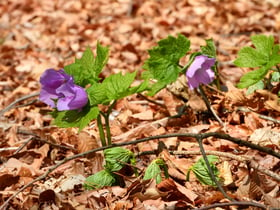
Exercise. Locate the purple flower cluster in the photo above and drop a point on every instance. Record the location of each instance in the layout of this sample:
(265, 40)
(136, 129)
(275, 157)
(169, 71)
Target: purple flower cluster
(200, 71)
(59, 91)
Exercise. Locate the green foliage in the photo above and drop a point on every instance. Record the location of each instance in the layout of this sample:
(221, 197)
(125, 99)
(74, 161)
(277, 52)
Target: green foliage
(264, 55)
(209, 49)
(201, 171)
(259, 85)
(114, 87)
(87, 69)
(75, 118)
(163, 62)
(153, 171)
(117, 157)
(100, 179)
(275, 77)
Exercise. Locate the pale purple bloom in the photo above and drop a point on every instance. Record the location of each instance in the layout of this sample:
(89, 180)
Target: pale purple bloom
(200, 71)
(58, 90)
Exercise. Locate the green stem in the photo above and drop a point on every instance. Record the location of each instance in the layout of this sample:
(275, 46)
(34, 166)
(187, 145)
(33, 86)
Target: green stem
(108, 131)
(107, 122)
(101, 131)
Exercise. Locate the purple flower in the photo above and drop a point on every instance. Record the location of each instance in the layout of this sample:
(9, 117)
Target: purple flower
(58, 90)
(200, 71)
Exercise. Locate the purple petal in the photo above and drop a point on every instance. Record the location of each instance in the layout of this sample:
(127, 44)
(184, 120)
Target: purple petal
(196, 64)
(74, 97)
(53, 79)
(200, 71)
(80, 99)
(59, 86)
(47, 97)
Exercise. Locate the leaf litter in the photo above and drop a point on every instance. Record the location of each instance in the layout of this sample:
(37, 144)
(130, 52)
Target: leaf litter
(37, 35)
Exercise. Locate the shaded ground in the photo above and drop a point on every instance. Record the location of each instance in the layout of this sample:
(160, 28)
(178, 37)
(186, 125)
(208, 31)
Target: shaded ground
(36, 35)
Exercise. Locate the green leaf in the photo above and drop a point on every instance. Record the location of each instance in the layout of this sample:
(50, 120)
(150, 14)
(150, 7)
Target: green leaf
(259, 85)
(252, 77)
(114, 87)
(87, 69)
(75, 118)
(153, 171)
(201, 172)
(100, 179)
(275, 77)
(209, 49)
(249, 57)
(265, 55)
(117, 157)
(164, 59)
(117, 85)
(97, 94)
(258, 56)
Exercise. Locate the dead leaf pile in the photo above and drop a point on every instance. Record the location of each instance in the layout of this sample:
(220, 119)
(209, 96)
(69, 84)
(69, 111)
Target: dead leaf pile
(37, 35)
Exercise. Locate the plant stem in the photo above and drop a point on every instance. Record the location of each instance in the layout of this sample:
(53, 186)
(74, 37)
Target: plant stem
(217, 76)
(209, 107)
(107, 126)
(101, 131)
(107, 122)
(199, 140)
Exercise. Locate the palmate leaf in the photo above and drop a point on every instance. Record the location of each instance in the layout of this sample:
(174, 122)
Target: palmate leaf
(209, 49)
(252, 77)
(114, 87)
(87, 69)
(265, 55)
(163, 62)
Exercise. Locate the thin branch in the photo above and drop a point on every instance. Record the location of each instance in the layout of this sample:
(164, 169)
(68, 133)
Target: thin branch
(202, 136)
(243, 109)
(151, 101)
(240, 158)
(8, 149)
(199, 140)
(38, 138)
(234, 203)
(11, 105)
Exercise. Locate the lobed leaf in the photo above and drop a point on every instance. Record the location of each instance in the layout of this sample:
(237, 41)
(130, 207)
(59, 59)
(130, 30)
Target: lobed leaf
(209, 49)
(86, 70)
(163, 62)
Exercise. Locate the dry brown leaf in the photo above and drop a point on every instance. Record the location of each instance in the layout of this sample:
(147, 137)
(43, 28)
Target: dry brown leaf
(146, 115)
(265, 137)
(86, 142)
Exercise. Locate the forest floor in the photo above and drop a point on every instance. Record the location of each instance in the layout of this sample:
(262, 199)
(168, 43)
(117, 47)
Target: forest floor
(37, 35)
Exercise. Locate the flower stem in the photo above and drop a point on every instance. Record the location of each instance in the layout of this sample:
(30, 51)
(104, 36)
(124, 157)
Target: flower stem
(217, 81)
(101, 131)
(107, 122)
(209, 107)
